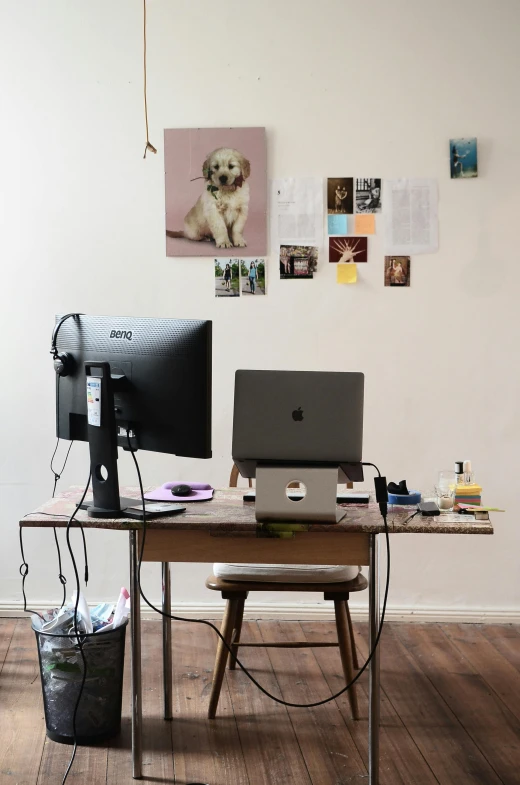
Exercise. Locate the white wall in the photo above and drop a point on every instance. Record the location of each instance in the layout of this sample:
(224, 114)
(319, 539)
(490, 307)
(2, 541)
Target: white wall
(344, 88)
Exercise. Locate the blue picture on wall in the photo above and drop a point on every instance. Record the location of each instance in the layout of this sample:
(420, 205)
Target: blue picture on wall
(463, 158)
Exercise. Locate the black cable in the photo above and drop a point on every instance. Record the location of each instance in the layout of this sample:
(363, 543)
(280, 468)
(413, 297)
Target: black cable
(76, 629)
(217, 631)
(57, 476)
(24, 572)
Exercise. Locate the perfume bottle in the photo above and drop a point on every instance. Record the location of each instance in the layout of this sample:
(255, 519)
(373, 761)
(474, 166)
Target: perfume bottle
(459, 472)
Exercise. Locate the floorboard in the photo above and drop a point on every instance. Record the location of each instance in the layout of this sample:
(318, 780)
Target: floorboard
(22, 725)
(327, 746)
(485, 659)
(506, 640)
(489, 723)
(270, 757)
(401, 762)
(157, 746)
(205, 751)
(450, 752)
(7, 627)
(450, 712)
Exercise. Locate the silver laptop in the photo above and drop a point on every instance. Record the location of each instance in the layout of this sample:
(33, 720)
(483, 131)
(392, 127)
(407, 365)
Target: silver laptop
(297, 417)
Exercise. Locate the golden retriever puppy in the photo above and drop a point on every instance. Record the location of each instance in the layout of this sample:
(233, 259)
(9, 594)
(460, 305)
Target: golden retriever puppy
(220, 212)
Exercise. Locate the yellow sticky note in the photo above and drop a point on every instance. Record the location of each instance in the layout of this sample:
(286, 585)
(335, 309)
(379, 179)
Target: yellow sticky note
(364, 223)
(346, 273)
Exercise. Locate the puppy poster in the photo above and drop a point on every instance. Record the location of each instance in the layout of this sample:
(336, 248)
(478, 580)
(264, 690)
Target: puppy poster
(216, 191)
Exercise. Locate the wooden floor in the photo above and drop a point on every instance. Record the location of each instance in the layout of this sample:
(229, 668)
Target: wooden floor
(450, 712)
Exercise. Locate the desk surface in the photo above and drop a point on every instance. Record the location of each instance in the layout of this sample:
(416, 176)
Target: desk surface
(228, 514)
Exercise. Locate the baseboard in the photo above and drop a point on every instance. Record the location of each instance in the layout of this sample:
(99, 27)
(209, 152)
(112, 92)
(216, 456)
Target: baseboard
(296, 611)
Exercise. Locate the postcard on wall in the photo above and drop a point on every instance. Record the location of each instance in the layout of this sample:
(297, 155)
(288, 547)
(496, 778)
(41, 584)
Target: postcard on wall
(297, 211)
(411, 216)
(216, 191)
(227, 277)
(298, 261)
(337, 224)
(340, 195)
(368, 195)
(253, 277)
(463, 158)
(348, 249)
(397, 271)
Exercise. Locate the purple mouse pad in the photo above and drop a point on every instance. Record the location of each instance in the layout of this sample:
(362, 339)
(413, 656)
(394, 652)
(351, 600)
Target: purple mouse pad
(200, 492)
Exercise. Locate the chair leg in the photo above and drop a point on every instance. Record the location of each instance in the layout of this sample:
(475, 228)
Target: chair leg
(352, 639)
(238, 629)
(346, 654)
(226, 630)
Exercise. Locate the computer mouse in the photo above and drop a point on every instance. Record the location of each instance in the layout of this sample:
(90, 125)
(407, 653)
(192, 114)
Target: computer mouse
(181, 490)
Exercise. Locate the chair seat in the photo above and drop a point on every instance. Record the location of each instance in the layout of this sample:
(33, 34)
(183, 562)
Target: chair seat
(330, 590)
(285, 573)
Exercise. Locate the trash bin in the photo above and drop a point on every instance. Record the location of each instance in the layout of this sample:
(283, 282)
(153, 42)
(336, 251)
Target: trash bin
(61, 671)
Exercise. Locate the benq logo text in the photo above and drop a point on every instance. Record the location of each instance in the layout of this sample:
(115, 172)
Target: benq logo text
(122, 334)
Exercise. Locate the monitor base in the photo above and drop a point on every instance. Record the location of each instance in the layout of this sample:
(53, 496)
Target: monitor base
(132, 508)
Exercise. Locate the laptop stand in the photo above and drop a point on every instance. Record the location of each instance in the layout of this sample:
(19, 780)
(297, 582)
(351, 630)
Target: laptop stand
(317, 505)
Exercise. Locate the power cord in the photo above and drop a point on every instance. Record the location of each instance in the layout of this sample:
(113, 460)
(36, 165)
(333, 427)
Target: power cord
(380, 495)
(76, 629)
(24, 567)
(57, 476)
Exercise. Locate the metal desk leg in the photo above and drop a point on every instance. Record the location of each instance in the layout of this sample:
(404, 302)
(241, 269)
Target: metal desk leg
(373, 675)
(167, 640)
(135, 629)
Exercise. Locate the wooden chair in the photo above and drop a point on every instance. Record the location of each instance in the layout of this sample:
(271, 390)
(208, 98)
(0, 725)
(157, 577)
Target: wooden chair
(235, 592)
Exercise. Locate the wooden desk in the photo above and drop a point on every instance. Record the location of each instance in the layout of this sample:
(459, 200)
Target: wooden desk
(225, 529)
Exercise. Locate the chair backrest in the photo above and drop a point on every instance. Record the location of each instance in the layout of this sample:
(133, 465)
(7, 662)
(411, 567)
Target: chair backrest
(233, 480)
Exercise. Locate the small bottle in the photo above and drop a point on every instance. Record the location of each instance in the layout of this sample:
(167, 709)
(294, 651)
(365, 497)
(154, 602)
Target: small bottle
(459, 472)
(468, 474)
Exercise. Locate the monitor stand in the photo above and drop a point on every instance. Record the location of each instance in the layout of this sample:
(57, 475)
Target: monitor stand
(318, 505)
(102, 440)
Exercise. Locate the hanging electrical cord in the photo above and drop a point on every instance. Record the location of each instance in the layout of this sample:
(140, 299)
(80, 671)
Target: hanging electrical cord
(76, 629)
(149, 146)
(209, 624)
(57, 476)
(24, 572)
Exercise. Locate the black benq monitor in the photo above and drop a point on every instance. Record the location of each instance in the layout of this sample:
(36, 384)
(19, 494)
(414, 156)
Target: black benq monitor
(150, 378)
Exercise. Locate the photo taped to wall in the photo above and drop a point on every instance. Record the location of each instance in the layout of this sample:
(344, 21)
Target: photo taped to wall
(252, 276)
(368, 195)
(340, 195)
(298, 261)
(348, 249)
(397, 271)
(463, 158)
(227, 277)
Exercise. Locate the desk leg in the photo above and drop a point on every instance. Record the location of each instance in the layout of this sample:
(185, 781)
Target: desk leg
(167, 640)
(373, 675)
(135, 629)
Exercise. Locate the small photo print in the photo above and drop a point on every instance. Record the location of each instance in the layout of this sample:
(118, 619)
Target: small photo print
(227, 278)
(463, 158)
(252, 276)
(348, 249)
(368, 195)
(397, 271)
(298, 261)
(340, 195)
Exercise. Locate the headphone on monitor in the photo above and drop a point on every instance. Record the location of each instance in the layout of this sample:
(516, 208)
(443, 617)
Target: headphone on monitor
(63, 361)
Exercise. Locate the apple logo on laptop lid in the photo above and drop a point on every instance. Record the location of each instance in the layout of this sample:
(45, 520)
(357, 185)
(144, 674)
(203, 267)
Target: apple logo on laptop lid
(297, 414)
